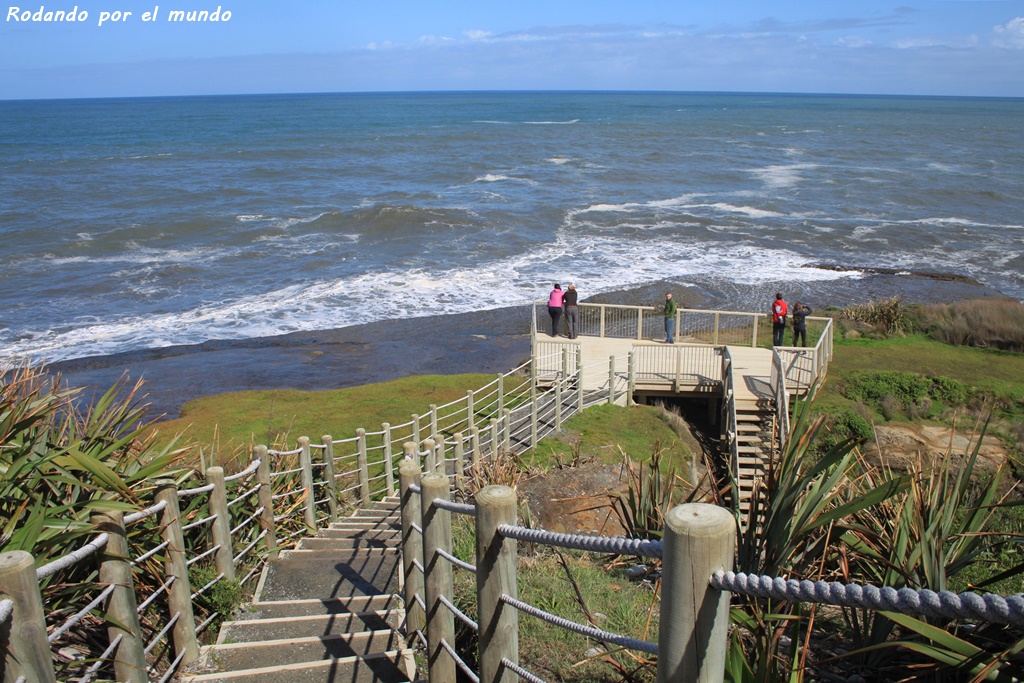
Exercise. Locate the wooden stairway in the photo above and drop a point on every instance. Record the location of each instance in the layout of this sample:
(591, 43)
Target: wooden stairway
(327, 611)
(755, 422)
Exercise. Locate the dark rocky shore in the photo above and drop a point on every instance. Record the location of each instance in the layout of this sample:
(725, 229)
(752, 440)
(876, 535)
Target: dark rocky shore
(485, 341)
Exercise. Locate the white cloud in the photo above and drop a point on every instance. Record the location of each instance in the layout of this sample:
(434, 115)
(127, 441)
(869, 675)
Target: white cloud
(1011, 35)
(854, 42)
(476, 34)
(434, 40)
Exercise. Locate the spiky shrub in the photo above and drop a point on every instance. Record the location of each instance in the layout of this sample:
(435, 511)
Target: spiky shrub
(887, 315)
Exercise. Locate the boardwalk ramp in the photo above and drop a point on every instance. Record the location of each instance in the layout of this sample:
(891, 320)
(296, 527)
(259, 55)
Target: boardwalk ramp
(325, 612)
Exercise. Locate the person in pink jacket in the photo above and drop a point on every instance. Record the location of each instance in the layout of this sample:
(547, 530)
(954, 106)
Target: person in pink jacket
(555, 308)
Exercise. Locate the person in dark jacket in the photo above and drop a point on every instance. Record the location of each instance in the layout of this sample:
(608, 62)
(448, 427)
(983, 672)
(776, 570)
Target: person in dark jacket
(800, 313)
(670, 319)
(572, 311)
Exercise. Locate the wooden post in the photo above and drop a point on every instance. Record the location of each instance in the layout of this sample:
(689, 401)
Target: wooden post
(221, 527)
(433, 421)
(364, 468)
(266, 498)
(440, 458)
(389, 463)
(122, 608)
(496, 576)
(601, 333)
(179, 593)
(494, 439)
(639, 323)
(470, 416)
(474, 445)
(412, 544)
(611, 380)
(678, 322)
(631, 375)
(694, 624)
(753, 339)
(410, 454)
(23, 644)
(460, 460)
(533, 417)
(415, 429)
(565, 364)
(428, 447)
(714, 336)
(558, 406)
(507, 439)
(329, 476)
(306, 465)
(579, 379)
(501, 393)
(437, 535)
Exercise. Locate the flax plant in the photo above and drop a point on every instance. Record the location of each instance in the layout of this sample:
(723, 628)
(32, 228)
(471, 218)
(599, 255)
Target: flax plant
(797, 515)
(920, 539)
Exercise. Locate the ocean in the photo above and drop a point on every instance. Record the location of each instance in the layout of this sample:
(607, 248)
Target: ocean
(130, 224)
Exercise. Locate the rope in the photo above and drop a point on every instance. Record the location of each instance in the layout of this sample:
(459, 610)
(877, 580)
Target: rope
(982, 607)
(6, 610)
(101, 660)
(244, 473)
(173, 668)
(273, 452)
(458, 662)
(456, 561)
(163, 632)
(78, 617)
(73, 557)
(415, 488)
(601, 544)
(521, 672)
(452, 506)
(184, 493)
(589, 631)
(142, 514)
(422, 604)
(459, 613)
(416, 527)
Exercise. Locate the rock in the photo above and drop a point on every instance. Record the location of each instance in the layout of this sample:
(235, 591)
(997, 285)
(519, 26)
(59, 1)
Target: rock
(593, 652)
(636, 571)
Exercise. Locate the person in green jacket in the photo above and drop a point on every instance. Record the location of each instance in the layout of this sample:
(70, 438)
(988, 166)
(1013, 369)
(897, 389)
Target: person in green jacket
(670, 319)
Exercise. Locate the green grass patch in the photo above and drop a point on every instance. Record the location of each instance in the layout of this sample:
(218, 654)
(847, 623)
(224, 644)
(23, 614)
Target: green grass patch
(600, 431)
(239, 419)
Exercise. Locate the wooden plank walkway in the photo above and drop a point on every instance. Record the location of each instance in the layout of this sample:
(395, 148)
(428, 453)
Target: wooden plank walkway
(752, 366)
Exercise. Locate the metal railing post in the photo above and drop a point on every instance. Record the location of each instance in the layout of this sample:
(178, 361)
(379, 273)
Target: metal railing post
(306, 477)
(601, 333)
(266, 499)
(220, 528)
(714, 337)
(433, 421)
(23, 645)
(639, 323)
(501, 393)
(533, 416)
(470, 397)
(694, 623)
(437, 535)
(579, 379)
(496, 565)
(364, 468)
(460, 460)
(631, 375)
(122, 608)
(332, 489)
(412, 543)
(179, 592)
(753, 340)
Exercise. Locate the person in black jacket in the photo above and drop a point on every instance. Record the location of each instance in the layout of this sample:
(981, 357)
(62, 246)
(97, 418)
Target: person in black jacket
(572, 311)
(800, 313)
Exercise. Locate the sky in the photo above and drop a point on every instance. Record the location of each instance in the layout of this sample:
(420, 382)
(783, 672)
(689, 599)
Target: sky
(905, 47)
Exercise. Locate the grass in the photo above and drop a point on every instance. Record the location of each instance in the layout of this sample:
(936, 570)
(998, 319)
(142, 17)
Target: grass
(236, 420)
(601, 431)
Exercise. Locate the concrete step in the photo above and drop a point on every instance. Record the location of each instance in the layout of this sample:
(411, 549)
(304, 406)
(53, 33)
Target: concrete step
(257, 655)
(255, 630)
(321, 543)
(303, 608)
(321, 574)
(384, 667)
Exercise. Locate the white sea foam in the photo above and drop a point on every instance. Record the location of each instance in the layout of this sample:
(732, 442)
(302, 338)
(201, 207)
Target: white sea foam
(601, 263)
(782, 175)
(559, 160)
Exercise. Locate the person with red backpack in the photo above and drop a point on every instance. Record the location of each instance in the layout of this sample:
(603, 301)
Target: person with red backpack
(779, 311)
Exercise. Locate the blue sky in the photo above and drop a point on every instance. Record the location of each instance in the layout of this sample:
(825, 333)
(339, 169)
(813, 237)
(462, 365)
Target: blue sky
(949, 47)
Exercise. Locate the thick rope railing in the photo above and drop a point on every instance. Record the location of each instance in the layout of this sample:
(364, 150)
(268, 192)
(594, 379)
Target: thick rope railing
(463, 617)
(156, 594)
(589, 631)
(521, 672)
(70, 623)
(452, 506)
(185, 493)
(143, 514)
(981, 607)
(251, 469)
(462, 564)
(100, 661)
(159, 636)
(618, 545)
(6, 610)
(72, 558)
(459, 662)
(274, 452)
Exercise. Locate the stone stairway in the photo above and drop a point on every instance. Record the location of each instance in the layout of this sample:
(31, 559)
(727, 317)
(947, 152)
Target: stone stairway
(327, 611)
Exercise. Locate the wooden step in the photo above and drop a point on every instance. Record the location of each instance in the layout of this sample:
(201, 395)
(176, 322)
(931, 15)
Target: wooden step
(304, 608)
(283, 628)
(260, 654)
(382, 667)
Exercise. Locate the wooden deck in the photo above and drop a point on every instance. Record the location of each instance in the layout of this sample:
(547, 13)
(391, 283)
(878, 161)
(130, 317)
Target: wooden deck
(659, 367)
